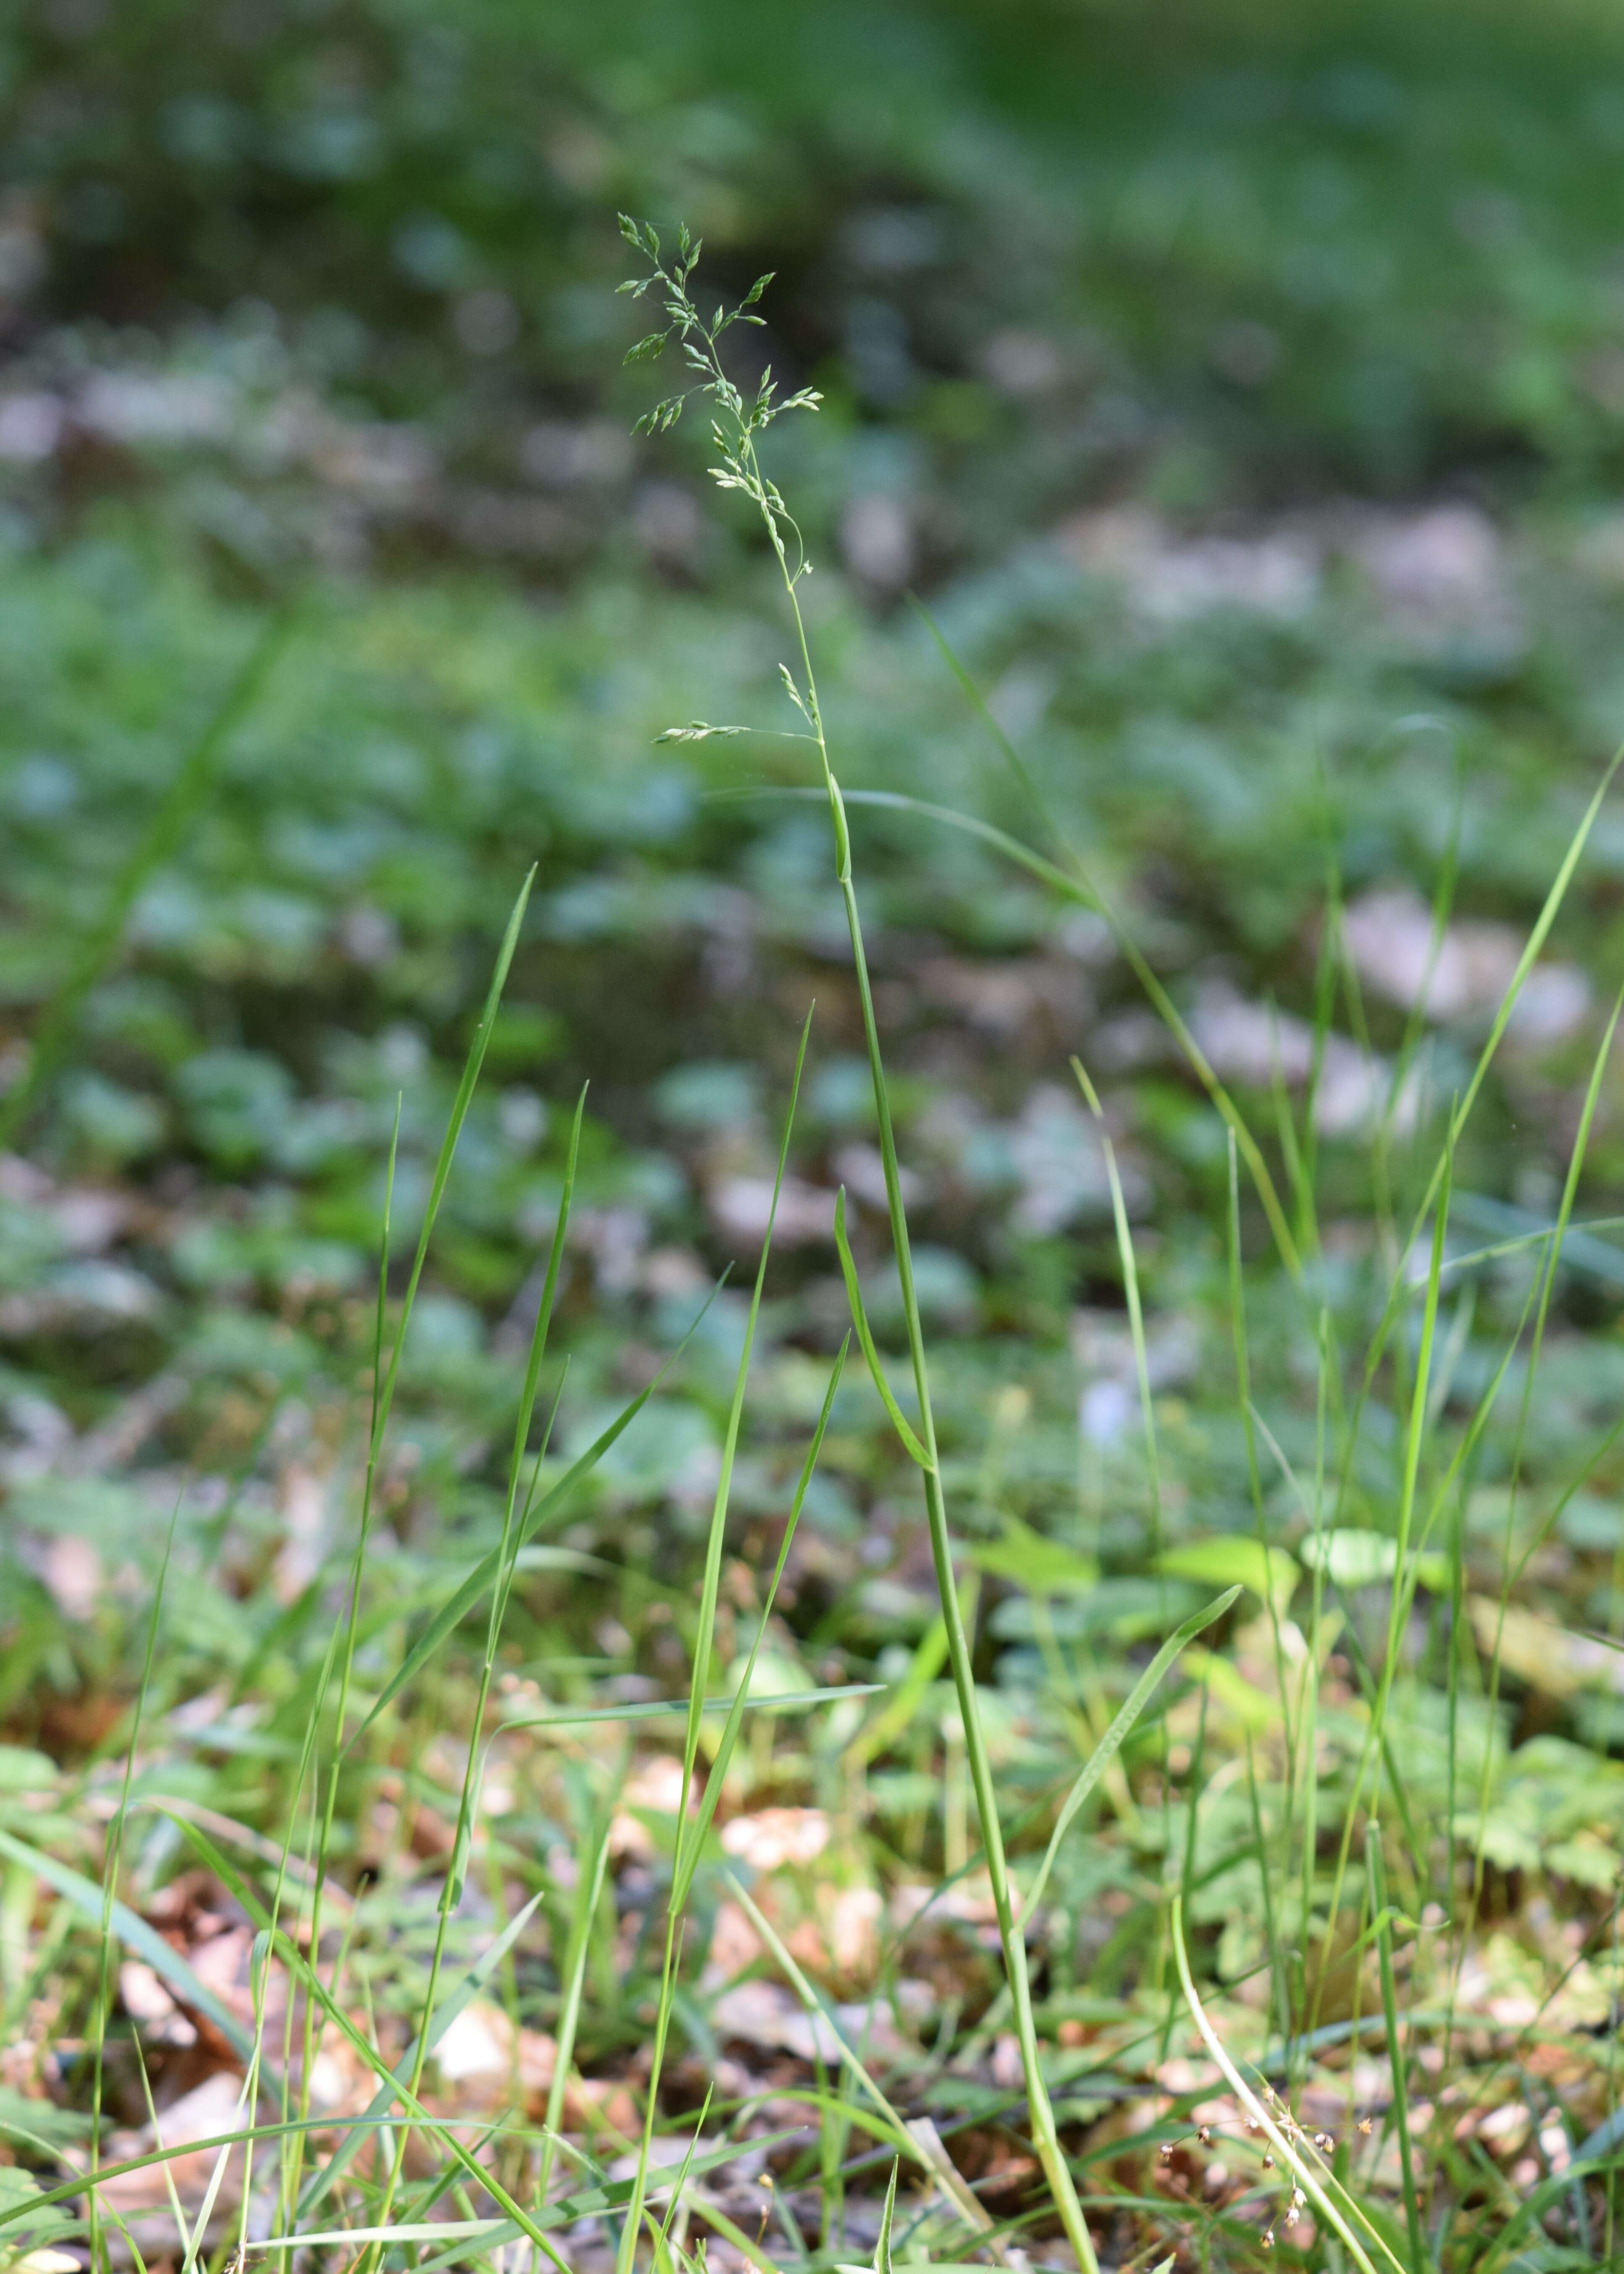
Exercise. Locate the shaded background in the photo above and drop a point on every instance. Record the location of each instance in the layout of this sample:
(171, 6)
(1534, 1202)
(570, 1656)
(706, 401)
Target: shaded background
(1245, 397)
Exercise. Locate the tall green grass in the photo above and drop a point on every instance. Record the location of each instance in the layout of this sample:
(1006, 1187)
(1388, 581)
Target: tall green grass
(401, 2184)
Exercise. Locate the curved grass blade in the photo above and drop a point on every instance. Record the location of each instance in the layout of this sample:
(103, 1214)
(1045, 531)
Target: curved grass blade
(552, 1505)
(1084, 895)
(712, 1581)
(718, 1778)
(544, 1309)
(683, 1862)
(882, 2248)
(445, 2013)
(1398, 1289)
(192, 783)
(672, 1709)
(859, 1320)
(896, 2129)
(1111, 1743)
(1130, 950)
(460, 1104)
(589, 1893)
(1380, 1930)
(1536, 940)
(1292, 2159)
(89, 1900)
(281, 1947)
(428, 2229)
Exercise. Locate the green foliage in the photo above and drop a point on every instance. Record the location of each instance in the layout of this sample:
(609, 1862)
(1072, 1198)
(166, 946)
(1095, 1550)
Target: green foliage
(1101, 328)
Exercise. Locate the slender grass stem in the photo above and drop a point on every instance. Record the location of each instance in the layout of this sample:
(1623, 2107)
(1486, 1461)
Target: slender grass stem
(736, 429)
(1397, 2053)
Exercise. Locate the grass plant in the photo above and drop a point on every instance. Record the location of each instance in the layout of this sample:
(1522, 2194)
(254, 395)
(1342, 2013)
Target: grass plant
(1175, 1755)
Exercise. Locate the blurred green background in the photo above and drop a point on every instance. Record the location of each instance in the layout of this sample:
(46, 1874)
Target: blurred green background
(1243, 389)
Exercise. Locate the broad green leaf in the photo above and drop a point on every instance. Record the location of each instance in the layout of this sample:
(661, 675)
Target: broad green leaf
(36, 2221)
(1354, 1558)
(23, 1770)
(1231, 1560)
(1043, 1567)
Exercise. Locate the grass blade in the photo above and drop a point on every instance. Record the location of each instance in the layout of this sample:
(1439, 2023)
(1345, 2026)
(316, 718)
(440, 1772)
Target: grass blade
(672, 1709)
(89, 1900)
(1302, 2167)
(859, 1320)
(1111, 1743)
(882, 2248)
(445, 2012)
(1397, 2059)
(188, 792)
(441, 1176)
(715, 1782)
(687, 1843)
(552, 1506)
(1160, 998)
(896, 2129)
(280, 1946)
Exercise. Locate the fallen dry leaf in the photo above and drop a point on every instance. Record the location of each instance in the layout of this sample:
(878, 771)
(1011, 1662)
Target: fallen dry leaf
(777, 1837)
(483, 2065)
(212, 2107)
(1173, 577)
(735, 1945)
(1254, 1044)
(1545, 1655)
(767, 2014)
(1389, 936)
(146, 2001)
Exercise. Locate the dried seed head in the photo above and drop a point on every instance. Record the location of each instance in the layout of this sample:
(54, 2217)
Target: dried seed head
(1166, 2151)
(1268, 2159)
(1253, 2124)
(1323, 2142)
(1204, 2134)
(1268, 2240)
(1365, 2126)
